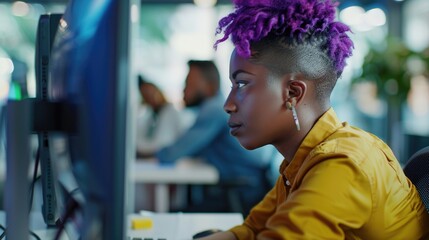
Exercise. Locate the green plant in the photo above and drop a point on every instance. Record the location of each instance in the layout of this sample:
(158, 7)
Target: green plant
(391, 67)
(388, 67)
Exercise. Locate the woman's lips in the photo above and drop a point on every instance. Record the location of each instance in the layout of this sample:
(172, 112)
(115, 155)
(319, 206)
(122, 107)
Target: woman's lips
(234, 127)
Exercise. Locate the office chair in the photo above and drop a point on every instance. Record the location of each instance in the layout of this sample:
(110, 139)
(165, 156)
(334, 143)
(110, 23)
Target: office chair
(417, 170)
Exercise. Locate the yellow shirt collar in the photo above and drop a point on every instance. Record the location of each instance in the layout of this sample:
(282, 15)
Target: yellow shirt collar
(327, 124)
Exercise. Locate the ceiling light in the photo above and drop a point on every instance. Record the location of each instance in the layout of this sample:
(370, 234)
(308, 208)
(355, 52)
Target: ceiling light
(20, 9)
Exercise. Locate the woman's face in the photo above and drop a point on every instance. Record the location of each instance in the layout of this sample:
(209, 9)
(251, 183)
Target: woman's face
(152, 95)
(255, 104)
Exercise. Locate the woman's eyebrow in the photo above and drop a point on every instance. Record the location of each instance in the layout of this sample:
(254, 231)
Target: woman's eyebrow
(234, 74)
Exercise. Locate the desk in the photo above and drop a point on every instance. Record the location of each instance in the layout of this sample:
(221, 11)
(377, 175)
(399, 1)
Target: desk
(185, 171)
(182, 226)
(171, 226)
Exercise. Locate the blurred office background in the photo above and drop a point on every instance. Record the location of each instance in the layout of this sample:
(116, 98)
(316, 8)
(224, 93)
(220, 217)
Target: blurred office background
(384, 89)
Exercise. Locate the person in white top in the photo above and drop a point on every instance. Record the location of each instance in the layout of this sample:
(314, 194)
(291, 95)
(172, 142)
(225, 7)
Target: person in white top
(159, 123)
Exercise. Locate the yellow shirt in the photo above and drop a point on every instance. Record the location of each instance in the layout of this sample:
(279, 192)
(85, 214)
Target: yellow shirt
(342, 183)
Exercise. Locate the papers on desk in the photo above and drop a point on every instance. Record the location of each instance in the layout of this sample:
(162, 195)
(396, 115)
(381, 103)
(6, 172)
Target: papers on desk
(181, 226)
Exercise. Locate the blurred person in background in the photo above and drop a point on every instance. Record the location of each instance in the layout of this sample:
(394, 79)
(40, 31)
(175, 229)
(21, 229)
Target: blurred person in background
(209, 139)
(159, 122)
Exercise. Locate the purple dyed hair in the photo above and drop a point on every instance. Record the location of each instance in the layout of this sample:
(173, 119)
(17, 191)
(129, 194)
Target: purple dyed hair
(300, 20)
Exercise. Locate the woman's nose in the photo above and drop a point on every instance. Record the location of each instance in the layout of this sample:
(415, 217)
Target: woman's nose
(229, 106)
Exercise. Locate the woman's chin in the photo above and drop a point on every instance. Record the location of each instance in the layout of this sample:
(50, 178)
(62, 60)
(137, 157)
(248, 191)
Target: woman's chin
(249, 145)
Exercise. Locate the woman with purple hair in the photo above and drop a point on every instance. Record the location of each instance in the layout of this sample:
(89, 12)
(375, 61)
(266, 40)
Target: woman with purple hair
(336, 181)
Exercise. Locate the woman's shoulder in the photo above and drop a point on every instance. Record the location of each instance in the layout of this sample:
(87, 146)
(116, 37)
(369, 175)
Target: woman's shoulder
(354, 144)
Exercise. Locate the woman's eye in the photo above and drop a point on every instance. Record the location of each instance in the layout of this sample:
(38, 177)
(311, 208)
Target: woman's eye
(238, 84)
(241, 84)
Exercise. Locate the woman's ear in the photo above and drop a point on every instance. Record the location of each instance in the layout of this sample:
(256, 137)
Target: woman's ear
(297, 90)
(294, 88)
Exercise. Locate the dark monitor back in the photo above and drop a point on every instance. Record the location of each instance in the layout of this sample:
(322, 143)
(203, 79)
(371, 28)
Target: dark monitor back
(90, 71)
(46, 30)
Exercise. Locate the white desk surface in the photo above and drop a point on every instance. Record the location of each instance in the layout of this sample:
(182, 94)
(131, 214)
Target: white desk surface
(170, 226)
(185, 171)
(182, 226)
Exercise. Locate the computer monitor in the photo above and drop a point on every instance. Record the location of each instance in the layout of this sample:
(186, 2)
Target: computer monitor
(89, 73)
(87, 106)
(46, 30)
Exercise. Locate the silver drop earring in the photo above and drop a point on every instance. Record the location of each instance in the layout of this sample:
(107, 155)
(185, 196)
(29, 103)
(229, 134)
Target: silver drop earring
(291, 106)
(295, 118)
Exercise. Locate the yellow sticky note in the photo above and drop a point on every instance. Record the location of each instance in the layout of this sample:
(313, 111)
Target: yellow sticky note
(141, 223)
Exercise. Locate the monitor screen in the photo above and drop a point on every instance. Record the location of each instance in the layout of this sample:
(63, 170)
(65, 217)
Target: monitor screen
(89, 73)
